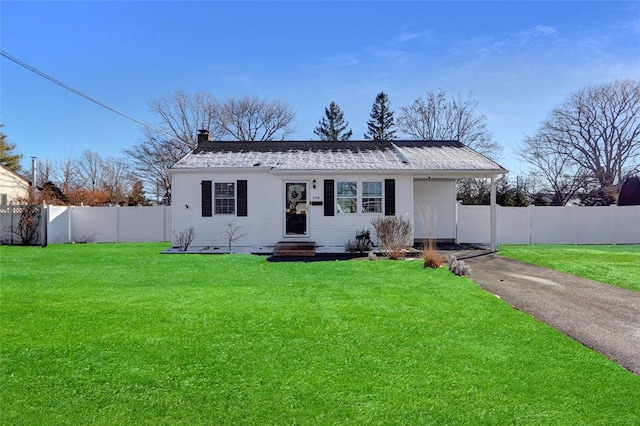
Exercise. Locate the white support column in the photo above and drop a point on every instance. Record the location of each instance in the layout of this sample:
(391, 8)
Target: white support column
(494, 242)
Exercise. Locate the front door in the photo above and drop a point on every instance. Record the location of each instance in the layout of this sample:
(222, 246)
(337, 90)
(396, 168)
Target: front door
(295, 200)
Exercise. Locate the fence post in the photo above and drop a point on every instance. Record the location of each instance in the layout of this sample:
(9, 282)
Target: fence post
(11, 223)
(44, 211)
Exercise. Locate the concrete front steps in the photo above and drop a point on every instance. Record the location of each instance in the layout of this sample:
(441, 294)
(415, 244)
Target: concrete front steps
(294, 248)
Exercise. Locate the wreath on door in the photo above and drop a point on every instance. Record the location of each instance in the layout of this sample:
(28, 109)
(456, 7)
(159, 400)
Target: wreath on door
(294, 194)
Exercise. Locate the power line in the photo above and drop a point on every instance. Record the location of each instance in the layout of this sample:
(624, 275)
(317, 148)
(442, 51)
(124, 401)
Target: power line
(79, 93)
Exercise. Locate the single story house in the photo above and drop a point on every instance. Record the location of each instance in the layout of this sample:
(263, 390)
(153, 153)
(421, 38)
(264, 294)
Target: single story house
(318, 191)
(13, 187)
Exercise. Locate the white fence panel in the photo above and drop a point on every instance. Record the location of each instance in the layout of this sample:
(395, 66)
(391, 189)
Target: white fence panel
(595, 225)
(553, 225)
(141, 224)
(513, 225)
(94, 224)
(550, 225)
(627, 225)
(474, 225)
(9, 222)
(58, 231)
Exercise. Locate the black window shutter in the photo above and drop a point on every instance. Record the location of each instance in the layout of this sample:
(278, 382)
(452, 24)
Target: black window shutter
(329, 202)
(206, 198)
(242, 198)
(389, 197)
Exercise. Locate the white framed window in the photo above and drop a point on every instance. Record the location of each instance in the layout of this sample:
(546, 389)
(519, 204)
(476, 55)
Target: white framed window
(224, 198)
(371, 197)
(347, 197)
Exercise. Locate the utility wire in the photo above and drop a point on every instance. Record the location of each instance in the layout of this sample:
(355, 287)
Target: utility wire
(79, 93)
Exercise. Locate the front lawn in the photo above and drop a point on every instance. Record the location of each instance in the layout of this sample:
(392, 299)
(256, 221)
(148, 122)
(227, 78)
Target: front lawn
(120, 334)
(618, 265)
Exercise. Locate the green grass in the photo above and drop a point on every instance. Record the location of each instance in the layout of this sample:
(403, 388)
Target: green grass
(618, 265)
(119, 334)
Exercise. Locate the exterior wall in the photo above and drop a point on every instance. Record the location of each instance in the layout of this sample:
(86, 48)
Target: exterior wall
(434, 209)
(262, 226)
(265, 224)
(337, 230)
(12, 186)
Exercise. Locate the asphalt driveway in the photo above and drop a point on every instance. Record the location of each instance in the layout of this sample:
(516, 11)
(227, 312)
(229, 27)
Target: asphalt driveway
(600, 316)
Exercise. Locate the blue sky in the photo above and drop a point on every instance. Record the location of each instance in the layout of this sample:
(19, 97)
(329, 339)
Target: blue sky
(519, 60)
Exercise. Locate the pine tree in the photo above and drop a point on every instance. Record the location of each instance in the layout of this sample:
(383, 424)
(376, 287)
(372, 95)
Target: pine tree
(381, 123)
(332, 127)
(7, 157)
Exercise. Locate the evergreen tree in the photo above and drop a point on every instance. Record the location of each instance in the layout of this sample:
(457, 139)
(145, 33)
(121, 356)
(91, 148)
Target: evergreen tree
(332, 127)
(381, 123)
(7, 157)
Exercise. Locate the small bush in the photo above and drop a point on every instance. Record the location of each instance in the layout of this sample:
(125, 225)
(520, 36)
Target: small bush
(431, 257)
(393, 233)
(361, 244)
(185, 238)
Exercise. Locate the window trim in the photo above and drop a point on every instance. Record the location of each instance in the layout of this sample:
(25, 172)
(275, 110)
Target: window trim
(359, 197)
(339, 208)
(217, 197)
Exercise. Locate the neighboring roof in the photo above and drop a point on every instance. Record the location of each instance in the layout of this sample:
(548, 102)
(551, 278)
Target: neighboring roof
(14, 174)
(331, 156)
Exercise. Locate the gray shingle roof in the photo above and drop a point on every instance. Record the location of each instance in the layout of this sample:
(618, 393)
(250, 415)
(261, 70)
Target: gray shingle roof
(350, 155)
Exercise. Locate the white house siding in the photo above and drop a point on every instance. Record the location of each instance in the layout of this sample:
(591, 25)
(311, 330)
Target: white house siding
(264, 225)
(13, 188)
(337, 230)
(434, 209)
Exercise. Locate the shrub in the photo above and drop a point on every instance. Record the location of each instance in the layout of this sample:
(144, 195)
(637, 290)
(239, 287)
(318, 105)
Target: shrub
(431, 257)
(393, 233)
(232, 234)
(361, 244)
(28, 223)
(185, 238)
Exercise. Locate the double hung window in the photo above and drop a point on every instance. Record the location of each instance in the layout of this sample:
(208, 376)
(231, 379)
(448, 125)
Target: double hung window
(347, 197)
(225, 198)
(371, 197)
(352, 196)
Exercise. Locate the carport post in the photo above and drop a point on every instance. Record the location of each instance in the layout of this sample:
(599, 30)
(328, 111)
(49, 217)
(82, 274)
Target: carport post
(493, 215)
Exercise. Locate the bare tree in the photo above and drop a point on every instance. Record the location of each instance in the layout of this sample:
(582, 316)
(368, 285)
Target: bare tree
(181, 115)
(553, 174)
(255, 119)
(441, 117)
(46, 172)
(68, 174)
(596, 130)
(90, 168)
(116, 179)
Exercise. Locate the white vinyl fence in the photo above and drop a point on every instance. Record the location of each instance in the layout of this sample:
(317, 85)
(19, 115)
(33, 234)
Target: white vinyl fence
(11, 221)
(70, 224)
(550, 225)
(108, 224)
(516, 225)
